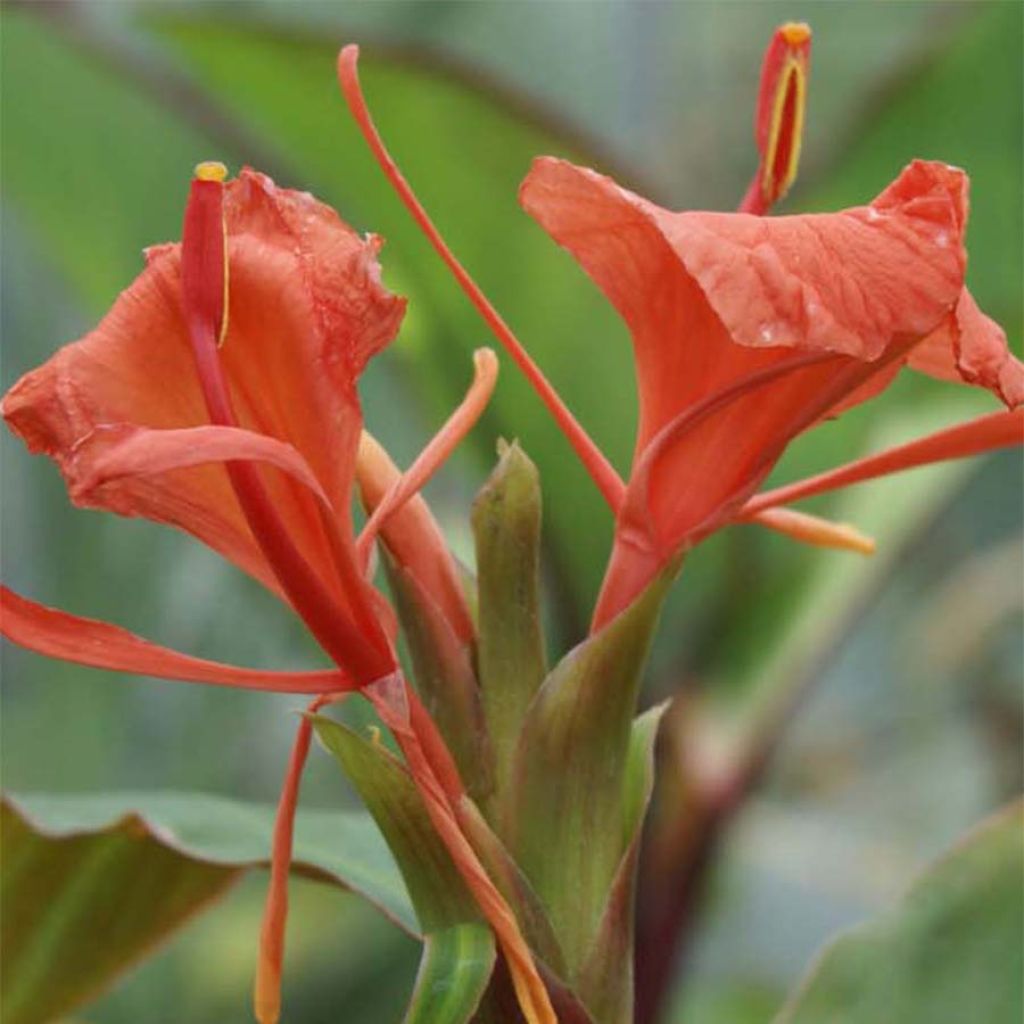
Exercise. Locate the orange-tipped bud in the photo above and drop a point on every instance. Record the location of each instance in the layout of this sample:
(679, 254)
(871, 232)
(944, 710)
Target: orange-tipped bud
(814, 530)
(779, 121)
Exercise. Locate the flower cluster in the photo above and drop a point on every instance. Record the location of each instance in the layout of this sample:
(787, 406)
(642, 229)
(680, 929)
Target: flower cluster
(219, 395)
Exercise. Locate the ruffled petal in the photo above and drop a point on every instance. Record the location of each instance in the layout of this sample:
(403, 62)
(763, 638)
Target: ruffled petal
(711, 298)
(972, 347)
(306, 310)
(101, 645)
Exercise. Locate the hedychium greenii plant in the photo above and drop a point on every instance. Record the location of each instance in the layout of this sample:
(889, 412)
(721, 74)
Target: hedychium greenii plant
(219, 395)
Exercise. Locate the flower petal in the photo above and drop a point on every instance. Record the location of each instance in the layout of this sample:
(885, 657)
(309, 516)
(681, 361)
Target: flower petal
(307, 310)
(972, 348)
(693, 477)
(711, 298)
(101, 645)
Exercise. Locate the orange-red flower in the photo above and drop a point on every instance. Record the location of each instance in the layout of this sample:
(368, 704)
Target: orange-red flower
(219, 396)
(749, 330)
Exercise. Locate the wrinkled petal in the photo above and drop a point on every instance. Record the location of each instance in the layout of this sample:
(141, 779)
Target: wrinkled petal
(307, 310)
(101, 645)
(972, 348)
(711, 298)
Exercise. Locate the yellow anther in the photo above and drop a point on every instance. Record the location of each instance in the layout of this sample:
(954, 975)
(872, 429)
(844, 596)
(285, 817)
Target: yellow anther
(374, 732)
(210, 170)
(796, 32)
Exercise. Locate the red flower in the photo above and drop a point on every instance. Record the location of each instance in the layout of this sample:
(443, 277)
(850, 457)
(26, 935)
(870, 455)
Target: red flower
(749, 330)
(219, 396)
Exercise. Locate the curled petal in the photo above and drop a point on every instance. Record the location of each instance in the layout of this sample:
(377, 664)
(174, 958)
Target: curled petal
(108, 455)
(972, 347)
(101, 645)
(104, 472)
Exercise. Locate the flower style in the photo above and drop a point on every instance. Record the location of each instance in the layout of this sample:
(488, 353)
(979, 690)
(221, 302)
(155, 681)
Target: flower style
(749, 330)
(219, 396)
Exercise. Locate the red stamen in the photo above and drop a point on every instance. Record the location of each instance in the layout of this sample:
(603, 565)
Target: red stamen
(360, 647)
(778, 122)
(998, 430)
(608, 482)
(436, 452)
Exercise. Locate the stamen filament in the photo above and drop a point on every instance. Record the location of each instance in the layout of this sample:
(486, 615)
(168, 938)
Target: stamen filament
(267, 987)
(608, 481)
(436, 452)
(997, 430)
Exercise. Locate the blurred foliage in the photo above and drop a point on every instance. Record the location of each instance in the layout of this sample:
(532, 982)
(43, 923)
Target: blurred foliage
(106, 107)
(949, 951)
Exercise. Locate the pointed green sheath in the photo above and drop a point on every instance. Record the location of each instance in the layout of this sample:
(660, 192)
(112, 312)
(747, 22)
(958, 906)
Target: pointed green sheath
(454, 973)
(606, 979)
(511, 659)
(445, 680)
(435, 886)
(572, 810)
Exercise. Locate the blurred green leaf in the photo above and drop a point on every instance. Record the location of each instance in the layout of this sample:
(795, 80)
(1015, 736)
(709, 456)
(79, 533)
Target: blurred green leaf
(454, 973)
(950, 952)
(133, 867)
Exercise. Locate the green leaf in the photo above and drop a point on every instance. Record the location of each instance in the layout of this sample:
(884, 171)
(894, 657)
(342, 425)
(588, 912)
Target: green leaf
(136, 866)
(511, 658)
(389, 793)
(606, 979)
(951, 951)
(454, 973)
(569, 838)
